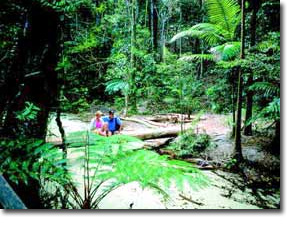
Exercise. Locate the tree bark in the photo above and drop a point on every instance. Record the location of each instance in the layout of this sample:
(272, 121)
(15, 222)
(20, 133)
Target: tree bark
(132, 84)
(159, 133)
(139, 121)
(37, 51)
(157, 143)
(249, 96)
(154, 24)
(238, 144)
(234, 100)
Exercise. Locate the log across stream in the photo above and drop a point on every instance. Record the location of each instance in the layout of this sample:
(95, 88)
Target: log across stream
(227, 191)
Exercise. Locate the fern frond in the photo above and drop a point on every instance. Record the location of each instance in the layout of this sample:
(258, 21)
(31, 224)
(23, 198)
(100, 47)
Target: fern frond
(112, 161)
(116, 85)
(268, 89)
(225, 13)
(211, 33)
(197, 57)
(226, 51)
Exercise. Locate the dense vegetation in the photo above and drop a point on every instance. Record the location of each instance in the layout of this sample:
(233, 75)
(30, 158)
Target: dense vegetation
(137, 57)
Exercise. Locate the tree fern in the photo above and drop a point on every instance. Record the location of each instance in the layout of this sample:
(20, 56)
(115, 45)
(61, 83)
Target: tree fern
(266, 88)
(226, 51)
(224, 17)
(211, 33)
(110, 162)
(197, 57)
(117, 85)
(226, 14)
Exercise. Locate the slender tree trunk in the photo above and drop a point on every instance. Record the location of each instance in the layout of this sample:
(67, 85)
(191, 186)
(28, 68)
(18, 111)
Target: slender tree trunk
(238, 144)
(132, 57)
(154, 24)
(162, 38)
(249, 97)
(61, 131)
(249, 100)
(126, 101)
(202, 47)
(38, 51)
(234, 100)
(146, 14)
(277, 138)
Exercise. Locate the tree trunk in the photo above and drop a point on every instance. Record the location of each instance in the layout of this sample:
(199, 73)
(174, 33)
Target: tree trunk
(154, 20)
(38, 51)
(233, 107)
(159, 133)
(132, 83)
(277, 139)
(249, 96)
(62, 132)
(238, 144)
(162, 38)
(249, 100)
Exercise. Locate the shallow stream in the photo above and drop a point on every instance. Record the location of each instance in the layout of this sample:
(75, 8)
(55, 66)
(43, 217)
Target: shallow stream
(226, 190)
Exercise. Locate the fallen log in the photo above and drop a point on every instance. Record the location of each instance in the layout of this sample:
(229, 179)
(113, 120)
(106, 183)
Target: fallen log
(170, 118)
(139, 121)
(159, 133)
(171, 154)
(200, 163)
(174, 115)
(154, 123)
(144, 135)
(156, 143)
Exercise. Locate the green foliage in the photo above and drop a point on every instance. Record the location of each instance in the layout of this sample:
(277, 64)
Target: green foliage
(218, 97)
(64, 64)
(264, 61)
(75, 100)
(110, 162)
(86, 44)
(266, 88)
(227, 51)
(231, 164)
(190, 144)
(66, 6)
(30, 112)
(114, 86)
(224, 16)
(25, 159)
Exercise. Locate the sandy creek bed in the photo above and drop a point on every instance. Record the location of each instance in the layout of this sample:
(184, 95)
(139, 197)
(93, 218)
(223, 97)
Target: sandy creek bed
(220, 194)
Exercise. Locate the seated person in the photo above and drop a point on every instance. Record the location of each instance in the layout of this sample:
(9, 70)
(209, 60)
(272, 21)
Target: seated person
(97, 125)
(114, 123)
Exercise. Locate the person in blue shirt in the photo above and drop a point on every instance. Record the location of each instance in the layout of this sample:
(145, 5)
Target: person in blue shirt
(114, 123)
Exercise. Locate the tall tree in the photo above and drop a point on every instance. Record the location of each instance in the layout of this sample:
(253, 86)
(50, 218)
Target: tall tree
(255, 4)
(132, 55)
(34, 80)
(238, 144)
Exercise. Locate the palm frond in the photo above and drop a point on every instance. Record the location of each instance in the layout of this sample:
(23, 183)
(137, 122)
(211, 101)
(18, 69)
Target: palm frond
(116, 85)
(273, 109)
(109, 161)
(197, 57)
(226, 51)
(271, 112)
(268, 89)
(225, 13)
(186, 33)
(211, 33)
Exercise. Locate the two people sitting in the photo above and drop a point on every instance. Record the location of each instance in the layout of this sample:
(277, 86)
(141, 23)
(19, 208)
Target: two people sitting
(106, 126)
